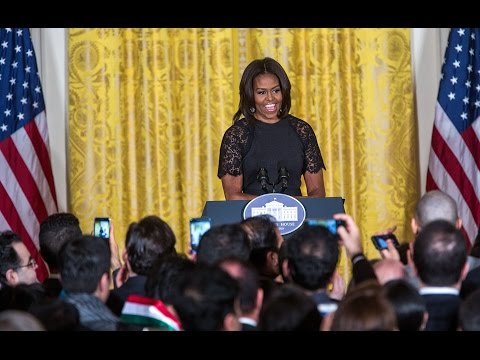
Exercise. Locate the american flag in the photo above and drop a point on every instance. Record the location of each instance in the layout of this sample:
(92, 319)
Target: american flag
(27, 190)
(455, 154)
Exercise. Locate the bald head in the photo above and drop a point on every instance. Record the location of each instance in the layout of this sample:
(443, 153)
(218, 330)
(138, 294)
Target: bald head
(388, 269)
(436, 205)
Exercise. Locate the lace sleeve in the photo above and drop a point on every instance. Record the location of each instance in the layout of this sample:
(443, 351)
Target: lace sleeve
(313, 157)
(231, 150)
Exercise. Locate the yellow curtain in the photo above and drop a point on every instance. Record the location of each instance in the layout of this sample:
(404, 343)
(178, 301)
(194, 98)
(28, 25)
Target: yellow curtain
(148, 109)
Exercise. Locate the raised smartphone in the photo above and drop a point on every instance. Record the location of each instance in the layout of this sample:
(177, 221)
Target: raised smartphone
(380, 241)
(101, 227)
(330, 224)
(198, 227)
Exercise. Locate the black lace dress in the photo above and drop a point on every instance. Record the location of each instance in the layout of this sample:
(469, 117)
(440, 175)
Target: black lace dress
(290, 143)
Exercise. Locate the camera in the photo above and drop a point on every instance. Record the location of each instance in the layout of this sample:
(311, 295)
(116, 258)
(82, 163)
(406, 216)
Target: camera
(198, 227)
(330, 224)
(380, 241)
(101, 227)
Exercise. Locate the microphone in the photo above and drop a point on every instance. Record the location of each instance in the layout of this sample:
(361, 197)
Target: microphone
(283, 176)
(262, 178)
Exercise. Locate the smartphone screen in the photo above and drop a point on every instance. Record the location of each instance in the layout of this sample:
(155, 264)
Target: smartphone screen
(380, 241)
(101, 227)
(198, 227)
(330, 224)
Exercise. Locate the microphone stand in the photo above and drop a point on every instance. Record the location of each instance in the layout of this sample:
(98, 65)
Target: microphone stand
(262, 178)
(283, 176)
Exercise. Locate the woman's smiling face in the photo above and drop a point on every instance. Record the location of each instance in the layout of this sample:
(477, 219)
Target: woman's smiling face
(268, 97)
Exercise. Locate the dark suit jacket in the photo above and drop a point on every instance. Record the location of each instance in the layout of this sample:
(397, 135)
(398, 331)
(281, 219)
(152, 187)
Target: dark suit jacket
(248, 327)
(118, 296)
(442, 311)
(471, 283)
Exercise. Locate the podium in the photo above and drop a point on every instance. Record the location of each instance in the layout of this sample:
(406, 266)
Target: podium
(231, 211)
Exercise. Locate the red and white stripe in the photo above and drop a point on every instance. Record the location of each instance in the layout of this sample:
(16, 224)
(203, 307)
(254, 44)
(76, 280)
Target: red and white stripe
(27, 188)
(454, 168)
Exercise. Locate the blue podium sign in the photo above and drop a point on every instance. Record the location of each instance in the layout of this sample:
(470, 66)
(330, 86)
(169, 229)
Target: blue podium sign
(289, 213)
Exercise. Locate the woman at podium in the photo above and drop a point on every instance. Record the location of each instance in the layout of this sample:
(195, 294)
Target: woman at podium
(267, 149)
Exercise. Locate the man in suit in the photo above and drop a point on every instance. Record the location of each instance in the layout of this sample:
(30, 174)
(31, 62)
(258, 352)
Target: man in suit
(440, 262)
(434, 205)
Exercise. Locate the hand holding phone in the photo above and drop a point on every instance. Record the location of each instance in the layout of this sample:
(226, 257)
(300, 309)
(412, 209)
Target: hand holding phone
(101, 227)
(380, 241)
(198, 227)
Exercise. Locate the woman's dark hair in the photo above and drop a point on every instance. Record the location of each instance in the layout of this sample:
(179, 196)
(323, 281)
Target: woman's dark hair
(408, 304)
(146, 240)
(247, 97)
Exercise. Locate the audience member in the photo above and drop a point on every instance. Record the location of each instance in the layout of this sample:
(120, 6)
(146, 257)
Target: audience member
(440, 262)
(289, 309)
(17, 266)
(155, 310)
(409, 305)
(84, 265)
(145, 242)
(312, 257)
(206, 299)
(55, 231)
(251, 294)
(265, 241)
(164, 275)
(221, 242)
(365, 308)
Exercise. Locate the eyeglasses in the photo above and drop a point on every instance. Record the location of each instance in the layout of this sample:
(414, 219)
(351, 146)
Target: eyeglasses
(31, 264)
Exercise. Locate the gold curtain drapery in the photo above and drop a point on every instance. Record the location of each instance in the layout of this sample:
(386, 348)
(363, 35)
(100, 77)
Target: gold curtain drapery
(148, 109)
